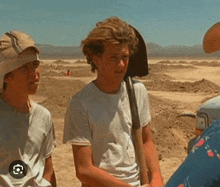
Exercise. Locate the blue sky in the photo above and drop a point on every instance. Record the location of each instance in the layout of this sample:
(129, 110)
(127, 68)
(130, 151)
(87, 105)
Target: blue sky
(67, 22)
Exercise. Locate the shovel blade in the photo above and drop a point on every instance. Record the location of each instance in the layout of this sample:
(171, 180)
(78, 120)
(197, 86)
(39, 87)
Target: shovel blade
(138, 62)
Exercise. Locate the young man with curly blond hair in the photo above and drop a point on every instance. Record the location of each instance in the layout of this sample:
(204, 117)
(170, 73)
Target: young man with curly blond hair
(98, 119)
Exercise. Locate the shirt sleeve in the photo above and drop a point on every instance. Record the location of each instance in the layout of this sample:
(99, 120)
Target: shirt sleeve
(76, 127)
(50, 142)
(143, 104)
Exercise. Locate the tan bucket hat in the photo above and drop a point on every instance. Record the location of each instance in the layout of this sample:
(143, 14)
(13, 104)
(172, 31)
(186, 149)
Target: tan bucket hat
(12, 44)
(211, 40)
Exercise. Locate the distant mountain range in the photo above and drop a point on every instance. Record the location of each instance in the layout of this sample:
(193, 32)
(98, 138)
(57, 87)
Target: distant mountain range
(153, 50)
(53, 52)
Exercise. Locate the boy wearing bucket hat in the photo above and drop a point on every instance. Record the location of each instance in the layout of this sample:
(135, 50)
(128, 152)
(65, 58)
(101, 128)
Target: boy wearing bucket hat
(98, 119)
(26, 129)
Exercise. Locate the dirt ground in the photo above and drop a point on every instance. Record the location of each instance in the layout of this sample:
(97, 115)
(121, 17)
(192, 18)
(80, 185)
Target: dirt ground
(174, 87)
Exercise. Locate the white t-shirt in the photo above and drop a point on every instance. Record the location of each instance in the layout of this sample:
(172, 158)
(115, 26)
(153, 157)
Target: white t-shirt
(103, 121)
(28, 137)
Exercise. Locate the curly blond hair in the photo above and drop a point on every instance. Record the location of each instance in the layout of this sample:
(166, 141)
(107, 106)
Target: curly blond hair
(111, 30)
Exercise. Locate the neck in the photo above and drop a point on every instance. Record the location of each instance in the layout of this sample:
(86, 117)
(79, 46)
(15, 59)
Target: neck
(109, 87)
(17, 101)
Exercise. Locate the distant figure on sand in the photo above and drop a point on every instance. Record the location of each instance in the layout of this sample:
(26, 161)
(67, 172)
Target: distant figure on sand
(68, 73)
(26, 129)
(98, 119)
(202, 166)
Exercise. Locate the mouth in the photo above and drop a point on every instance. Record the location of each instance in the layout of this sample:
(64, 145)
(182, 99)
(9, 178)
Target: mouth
(35, 82)
(119, 72)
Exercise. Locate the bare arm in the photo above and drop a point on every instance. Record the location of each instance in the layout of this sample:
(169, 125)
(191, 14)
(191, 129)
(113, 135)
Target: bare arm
(87, 173)
(152, 160)
(49, 172)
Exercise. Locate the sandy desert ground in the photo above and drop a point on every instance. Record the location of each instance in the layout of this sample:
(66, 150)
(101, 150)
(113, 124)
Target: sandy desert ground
(174, 87)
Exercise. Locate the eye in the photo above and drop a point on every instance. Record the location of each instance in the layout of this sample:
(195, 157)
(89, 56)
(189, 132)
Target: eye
(30, 65)
(125, 58)
(35, 64)
(26, 66)
(114, 57)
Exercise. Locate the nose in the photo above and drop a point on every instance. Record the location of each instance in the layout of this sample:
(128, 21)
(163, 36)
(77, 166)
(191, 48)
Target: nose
(122, 63)
(34, 72)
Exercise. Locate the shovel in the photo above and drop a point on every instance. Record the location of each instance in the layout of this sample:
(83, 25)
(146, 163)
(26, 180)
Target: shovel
(138, 66)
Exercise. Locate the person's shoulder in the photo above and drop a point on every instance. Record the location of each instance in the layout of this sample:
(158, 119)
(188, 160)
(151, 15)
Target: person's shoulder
(83, 96)
(138, 85)
(40, 109)
(85, 93)
(42, 116)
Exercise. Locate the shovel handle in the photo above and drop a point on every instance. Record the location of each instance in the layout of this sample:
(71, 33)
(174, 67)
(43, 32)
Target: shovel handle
(137, 132)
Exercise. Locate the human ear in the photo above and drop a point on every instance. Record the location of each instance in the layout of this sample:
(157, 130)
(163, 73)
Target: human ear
(96, 59)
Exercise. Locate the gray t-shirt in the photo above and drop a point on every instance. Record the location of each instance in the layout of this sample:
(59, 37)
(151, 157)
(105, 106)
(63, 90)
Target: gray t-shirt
(28, 137)
(103, 121)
